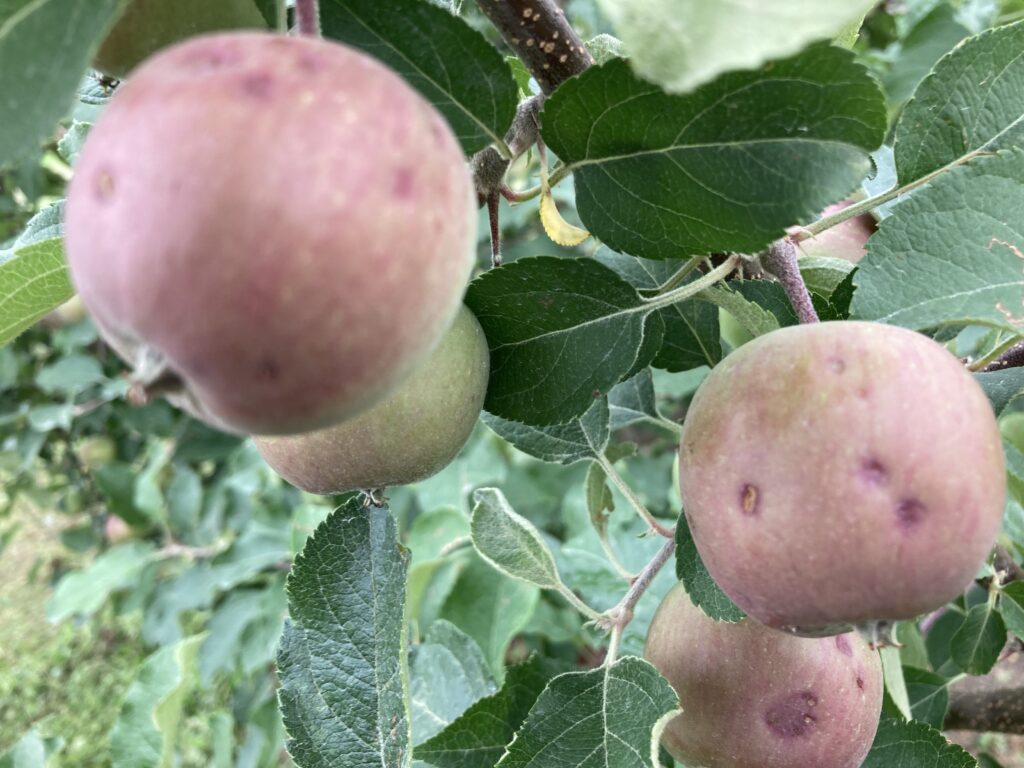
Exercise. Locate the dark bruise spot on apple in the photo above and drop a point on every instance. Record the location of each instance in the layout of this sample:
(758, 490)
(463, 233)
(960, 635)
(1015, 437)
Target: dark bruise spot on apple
(873, 472)
(258, 85)
(860, 682)
(269, 369)
(310, 63)
(844, 646)
(792, 715)
(103, 185)
(404, 186)
(750, 500)
(909, 514)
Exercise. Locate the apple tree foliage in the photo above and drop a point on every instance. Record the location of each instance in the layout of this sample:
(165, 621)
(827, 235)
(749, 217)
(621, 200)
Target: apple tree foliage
(466, 621)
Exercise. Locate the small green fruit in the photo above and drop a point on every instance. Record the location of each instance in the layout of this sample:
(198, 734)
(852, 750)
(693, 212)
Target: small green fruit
(753, 697)
(146, 26)
(410, 436)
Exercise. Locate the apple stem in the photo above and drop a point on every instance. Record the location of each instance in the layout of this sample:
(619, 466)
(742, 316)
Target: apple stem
(493, 203)
(307, 17)
(780, 260)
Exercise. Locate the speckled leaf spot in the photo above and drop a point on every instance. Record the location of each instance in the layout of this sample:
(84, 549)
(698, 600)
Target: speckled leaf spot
(344, 683)
(962, 237)
(658, 176)
(441, 56)
(602, 718)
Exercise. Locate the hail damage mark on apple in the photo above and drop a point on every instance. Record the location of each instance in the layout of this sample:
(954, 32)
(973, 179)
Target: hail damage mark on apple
(258, 85)
(909, 514)
(792, 715)
(750, 498)
(874, 473)
(103, 185)
(844, 646)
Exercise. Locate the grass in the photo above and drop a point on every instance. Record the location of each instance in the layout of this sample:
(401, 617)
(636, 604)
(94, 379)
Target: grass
(63, 679)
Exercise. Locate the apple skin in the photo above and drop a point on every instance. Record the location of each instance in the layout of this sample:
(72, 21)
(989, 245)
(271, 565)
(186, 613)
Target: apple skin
(278, 230)
(147, 26)
(756, 698)
(847, 241)
(841, 473)
(408, 437)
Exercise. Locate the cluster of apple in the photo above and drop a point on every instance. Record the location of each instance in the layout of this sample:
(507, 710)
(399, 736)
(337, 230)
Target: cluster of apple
(834, 476)
(276, 233)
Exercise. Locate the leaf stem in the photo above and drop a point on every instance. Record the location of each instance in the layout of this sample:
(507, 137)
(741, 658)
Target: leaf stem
(690, 289)
(577, 603)
(602, 536)
(632, 498)
(307, 17)
(622, 614)
(871, 203)
(282, 16)
(681, 274)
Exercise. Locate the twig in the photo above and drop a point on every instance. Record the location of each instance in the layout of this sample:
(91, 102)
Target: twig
(631, 497)
(307, 17)
(1011, 358)
(1000, 710)
(529, 27)
(619, 617)
(780, 260)
(540, 35)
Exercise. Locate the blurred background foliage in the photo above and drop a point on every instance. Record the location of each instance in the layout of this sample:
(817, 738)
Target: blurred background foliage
(125, 530)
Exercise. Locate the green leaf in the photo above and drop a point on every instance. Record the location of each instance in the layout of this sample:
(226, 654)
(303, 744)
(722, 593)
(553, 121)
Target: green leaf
(604, 716)
(45, 48)
(691, 336)
(657, 175)
(71, 143)
(699, 585)
(243, 631)
(31, 751)
(1011, 606)
(937, 33)
(681, 44)
(477, 739)
(70, 375)
(755, 319)
(491, 608)
(344, 685)
(633, 400)
(510, 542)
(823, 275)
(442, 57)
(938, 641)
(33, 282)
(82, 593)
(973, 100)
(979, 641)
(559, 443)
(895, 685)
(952, 253)
(447, 674)
(147, 731)
(913, 744)
(562, 333)
(1002, 387)
(929, 696)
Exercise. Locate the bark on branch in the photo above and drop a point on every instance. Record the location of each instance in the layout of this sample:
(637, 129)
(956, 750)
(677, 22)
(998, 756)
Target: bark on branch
(540, 35)
(1000, 710)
